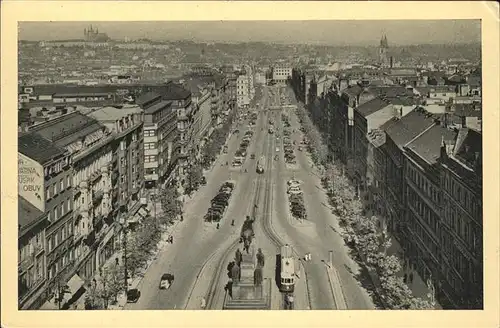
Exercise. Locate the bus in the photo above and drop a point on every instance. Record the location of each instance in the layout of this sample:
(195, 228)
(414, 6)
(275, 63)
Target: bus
(260, 165)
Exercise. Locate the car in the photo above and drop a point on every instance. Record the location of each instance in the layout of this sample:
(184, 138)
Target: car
(294, 190)
(300, 148)
(292, 182)
(219, 202)
(166, 280)
(203, 180)
(229, 184)
(252, 156)
(277, 149)
(133, 295)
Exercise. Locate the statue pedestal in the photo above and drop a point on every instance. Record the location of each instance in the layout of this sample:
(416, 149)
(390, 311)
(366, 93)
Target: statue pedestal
(247, 296)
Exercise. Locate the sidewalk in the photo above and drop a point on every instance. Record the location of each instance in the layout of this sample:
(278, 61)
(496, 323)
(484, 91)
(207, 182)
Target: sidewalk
(417, 285)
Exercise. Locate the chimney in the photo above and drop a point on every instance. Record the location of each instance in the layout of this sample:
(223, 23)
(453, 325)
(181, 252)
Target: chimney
(401, 112)
(391, 61)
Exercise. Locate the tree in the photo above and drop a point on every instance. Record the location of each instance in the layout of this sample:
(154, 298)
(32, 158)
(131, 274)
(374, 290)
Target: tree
(170, 204)
(135, 255)
(195, 174)
(114, 277)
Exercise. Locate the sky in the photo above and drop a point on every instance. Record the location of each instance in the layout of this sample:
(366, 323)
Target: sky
(348, 32)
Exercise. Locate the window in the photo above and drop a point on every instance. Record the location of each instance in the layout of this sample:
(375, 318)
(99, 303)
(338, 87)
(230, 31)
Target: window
(63, 232)
(61, 185)
(50, 243)
(55, 214)
(68, 205)
(149, 133)
(54, 191)
(47, 192)
(149, 145)
(149, 159)
(68, 181)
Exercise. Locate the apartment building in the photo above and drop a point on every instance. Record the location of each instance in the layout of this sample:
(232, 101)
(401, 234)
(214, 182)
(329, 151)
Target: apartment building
(127, 166)
(422, 192)
(281, 72)
(461, 264)
(46, 249)
(398, 133)
(89, 144)
(202, 117)
(243, 91)
(183, 149)
(160, 129)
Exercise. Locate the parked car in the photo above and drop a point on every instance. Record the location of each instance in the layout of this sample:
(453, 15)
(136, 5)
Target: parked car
(133, 295)
(203, 180)
(293, 182)
(166, 280)
(252, 156)
(294, 190)
(228, 184)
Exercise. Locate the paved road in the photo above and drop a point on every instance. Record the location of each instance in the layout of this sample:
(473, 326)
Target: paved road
(197, 240)
(318, 235)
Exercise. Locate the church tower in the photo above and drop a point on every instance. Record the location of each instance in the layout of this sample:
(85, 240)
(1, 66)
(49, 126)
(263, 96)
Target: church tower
(382, 52)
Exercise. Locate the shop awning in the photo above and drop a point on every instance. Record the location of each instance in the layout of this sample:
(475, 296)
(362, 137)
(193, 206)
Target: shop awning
(75, 283)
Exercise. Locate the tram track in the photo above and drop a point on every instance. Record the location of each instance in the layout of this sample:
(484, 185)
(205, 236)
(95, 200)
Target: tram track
(214, 282)
(266, 223)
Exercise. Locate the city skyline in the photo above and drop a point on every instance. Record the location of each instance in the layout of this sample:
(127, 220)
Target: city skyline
(345, 32)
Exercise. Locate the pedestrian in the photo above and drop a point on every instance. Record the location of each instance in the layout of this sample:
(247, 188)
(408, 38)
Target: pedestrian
(203, 303)
(411, 277)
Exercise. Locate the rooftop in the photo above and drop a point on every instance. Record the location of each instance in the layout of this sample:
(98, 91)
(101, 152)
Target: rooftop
(146, 98)
(113, 113)
(392, 91)
(158, 106)
(468, 147)
(67, 129)
(403, 130)
(38, 148)
(371, 106)
(428, 144)
(27, 215)
(174, 91)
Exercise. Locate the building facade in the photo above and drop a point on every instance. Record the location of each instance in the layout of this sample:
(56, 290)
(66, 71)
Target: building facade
(243, 91)
(281, 73)
(46, 247)
(160, 129)
(89, 145)
(127, 166)
(422, 192)
(461, 266)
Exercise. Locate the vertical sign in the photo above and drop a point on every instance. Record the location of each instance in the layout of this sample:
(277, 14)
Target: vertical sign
(31, 181)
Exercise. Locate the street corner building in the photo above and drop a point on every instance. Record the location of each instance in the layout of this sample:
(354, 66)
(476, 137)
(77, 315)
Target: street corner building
(76, 178)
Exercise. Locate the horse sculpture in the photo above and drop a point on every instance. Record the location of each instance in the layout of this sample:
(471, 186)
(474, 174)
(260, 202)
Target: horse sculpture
(247, 233)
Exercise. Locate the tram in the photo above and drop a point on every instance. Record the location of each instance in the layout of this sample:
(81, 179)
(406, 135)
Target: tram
(287, 270)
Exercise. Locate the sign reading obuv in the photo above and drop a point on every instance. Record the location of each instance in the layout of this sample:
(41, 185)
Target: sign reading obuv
(31, 181)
